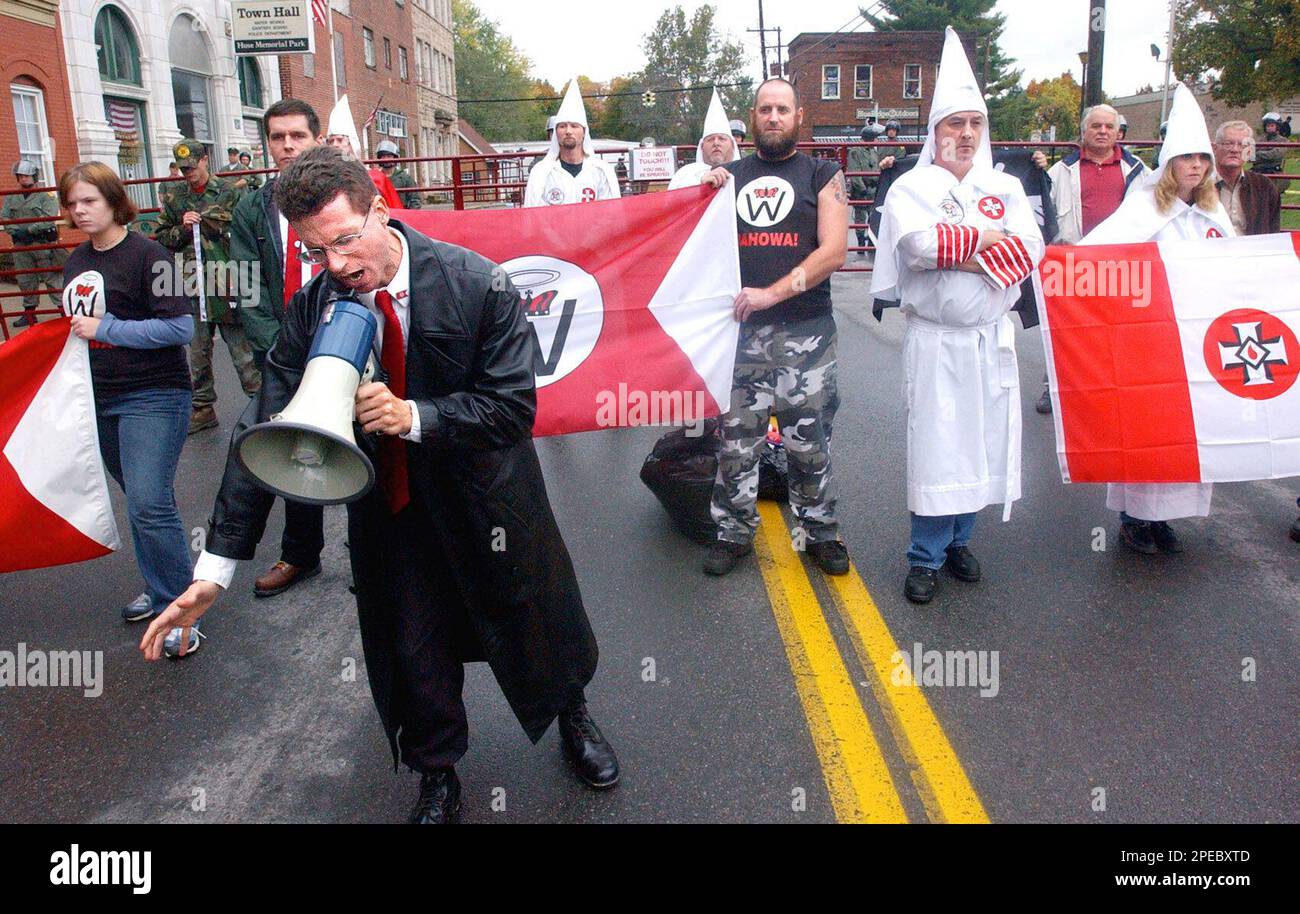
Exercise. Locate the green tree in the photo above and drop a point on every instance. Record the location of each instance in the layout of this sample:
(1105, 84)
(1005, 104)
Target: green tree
(1056, 104)
(489, 66)
(992, 67)
(680, 51)
(1253, 44)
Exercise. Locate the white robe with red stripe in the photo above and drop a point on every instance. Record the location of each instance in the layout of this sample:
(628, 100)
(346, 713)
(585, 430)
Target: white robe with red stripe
(961, 382)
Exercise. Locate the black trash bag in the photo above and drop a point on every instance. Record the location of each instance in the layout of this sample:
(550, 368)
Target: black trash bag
(681, 469)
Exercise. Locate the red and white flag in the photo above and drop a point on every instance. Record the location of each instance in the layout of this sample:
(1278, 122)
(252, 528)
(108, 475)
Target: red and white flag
(1175, 361)
(320, 10)
(630, 299)
(54, 505)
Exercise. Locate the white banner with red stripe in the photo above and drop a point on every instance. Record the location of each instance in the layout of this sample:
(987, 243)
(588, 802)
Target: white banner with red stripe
(1175, 361)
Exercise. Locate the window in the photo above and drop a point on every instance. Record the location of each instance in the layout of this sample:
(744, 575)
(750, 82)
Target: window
(830, 80)
(33, 143)
(388, 54)
(308, 65)
(119, 55)
(912, 80)
(402, 67)
(251, 94)
(428, 66)
(194, 116)
(862, 81)
(340, 60)
(368, 43)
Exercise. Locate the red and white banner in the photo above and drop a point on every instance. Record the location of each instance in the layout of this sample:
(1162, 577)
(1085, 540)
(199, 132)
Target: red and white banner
(54, 505)
(631, 301)
(1175, 361)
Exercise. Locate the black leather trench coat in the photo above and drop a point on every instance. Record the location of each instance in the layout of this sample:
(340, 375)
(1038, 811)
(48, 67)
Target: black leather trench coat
(474, 476)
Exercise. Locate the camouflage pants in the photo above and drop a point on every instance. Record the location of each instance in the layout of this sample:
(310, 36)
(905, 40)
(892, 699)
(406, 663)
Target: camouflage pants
(788, 371)
(32, 282)
(241, 354)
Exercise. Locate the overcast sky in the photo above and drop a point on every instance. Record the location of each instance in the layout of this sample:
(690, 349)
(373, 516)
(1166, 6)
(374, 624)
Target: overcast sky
(602, 39)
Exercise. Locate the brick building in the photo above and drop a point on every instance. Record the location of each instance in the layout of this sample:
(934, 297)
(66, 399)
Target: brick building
(37, 122)
(374, 64)
(844, 78)
(1143, 111)
(435, 86)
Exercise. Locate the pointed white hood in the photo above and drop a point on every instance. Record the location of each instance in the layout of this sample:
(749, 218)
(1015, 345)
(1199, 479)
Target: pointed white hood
(716, 122)
(956, 90)
(1186, 132)
(341, 122)
(572, 111)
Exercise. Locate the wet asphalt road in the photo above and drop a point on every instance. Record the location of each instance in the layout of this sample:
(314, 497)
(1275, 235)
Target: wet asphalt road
(1116, 673)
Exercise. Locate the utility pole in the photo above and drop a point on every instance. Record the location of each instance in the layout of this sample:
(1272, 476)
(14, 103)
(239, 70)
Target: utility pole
(1169, 59)
(762, 38)
(1096, 50)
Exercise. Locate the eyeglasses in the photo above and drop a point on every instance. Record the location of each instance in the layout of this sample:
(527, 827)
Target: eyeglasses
(343, 246)
(1234, 147)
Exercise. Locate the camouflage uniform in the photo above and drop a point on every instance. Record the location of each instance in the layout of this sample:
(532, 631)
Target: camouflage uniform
(401, 178)
(27, 206)
(786, 370)
(1270, 161)
(216, 207)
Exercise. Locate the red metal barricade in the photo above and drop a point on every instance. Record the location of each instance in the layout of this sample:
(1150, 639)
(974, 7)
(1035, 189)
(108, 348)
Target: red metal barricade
(498, 180)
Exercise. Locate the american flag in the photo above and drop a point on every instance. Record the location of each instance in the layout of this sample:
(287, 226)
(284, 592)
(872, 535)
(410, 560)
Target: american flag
(320, 10)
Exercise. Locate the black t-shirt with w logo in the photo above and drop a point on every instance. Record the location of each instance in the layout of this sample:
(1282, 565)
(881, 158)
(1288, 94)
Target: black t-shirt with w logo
(776, 225)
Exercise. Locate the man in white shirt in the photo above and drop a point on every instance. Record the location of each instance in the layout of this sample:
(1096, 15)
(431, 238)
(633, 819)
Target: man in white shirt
(716, 147)
(571, 172)
(455, 552)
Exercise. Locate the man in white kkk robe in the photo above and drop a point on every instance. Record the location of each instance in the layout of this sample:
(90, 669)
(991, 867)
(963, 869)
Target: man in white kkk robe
(716, 146)
(571, 172)
(1192, 210)
(956, 239)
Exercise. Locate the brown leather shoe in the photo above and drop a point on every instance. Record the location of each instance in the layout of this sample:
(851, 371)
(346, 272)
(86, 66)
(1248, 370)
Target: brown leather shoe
(201, 418)
(280, 577)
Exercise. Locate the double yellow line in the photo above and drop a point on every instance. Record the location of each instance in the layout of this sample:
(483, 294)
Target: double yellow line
(858, 776)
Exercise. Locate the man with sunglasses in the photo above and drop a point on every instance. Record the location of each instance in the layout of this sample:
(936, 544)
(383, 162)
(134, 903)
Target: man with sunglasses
(455, 552)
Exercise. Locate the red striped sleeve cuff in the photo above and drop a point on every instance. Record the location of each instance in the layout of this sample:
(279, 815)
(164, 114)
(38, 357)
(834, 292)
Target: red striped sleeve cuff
(1007, 263)
(956, 244)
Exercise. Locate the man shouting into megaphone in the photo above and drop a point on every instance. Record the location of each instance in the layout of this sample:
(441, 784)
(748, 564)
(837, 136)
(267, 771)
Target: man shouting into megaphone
(455, 553)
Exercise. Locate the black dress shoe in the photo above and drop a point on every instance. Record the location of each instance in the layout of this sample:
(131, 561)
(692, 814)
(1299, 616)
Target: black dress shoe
(830, 556)
(1295, 530)
(1136, 535)
(587, 749)
(1164, 537)
(439, 800)
(962, 564)
(921, 584)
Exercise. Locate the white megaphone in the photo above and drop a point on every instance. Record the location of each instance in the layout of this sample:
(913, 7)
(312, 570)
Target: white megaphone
(308, 453)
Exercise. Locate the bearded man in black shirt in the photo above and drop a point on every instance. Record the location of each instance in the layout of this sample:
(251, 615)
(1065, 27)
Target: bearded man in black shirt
(792, 220)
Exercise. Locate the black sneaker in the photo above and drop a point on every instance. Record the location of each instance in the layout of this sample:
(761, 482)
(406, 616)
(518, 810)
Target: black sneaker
(723, 556)
(1044, 404)
(26, 320)
(830, 556)
(921, 584)
(1295, 530)
(1136, 535)
(962, 565)
(1165, 539)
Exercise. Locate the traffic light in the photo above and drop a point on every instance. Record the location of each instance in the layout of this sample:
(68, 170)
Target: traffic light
(648, 99)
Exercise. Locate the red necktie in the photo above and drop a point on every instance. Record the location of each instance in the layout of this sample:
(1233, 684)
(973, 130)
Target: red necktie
(392, 449)
(292, 266)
